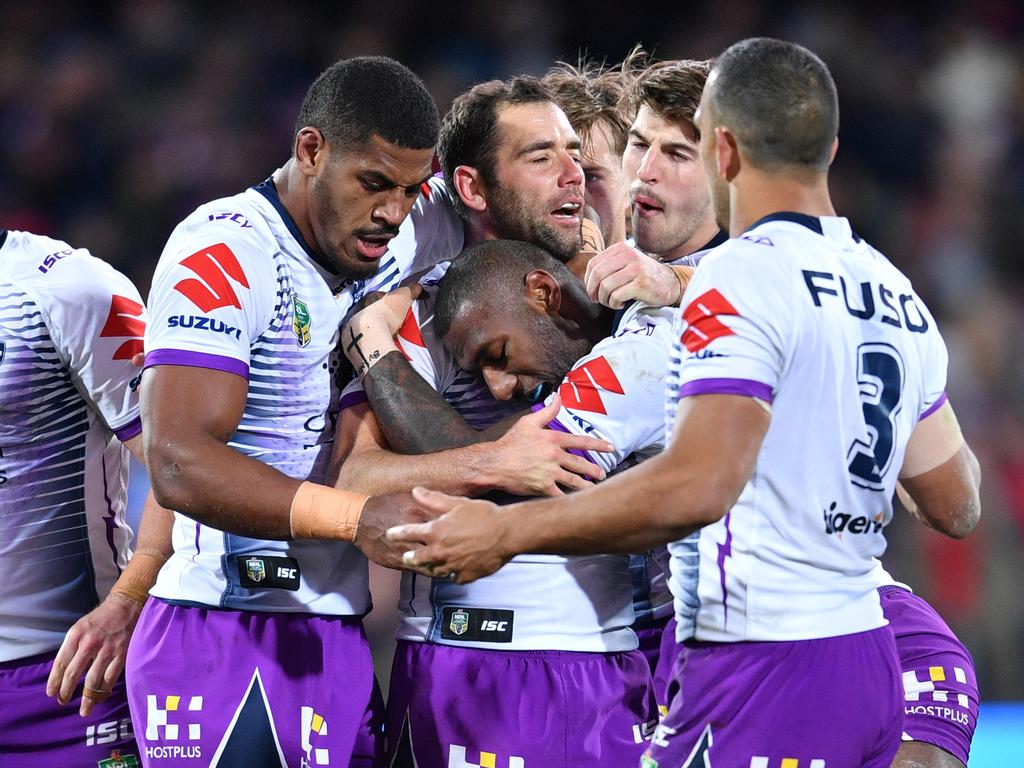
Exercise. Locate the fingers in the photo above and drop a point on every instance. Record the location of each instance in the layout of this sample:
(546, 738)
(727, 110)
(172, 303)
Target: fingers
(581, 468)
(435, 500)
(548, 413)
(98, 686)
(573, 481)
(60, 663)
(411, 533)
(568, 441)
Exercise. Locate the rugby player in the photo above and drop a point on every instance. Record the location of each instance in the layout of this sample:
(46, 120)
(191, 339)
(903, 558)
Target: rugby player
(252, 651)
(69, 415)
(813, 377)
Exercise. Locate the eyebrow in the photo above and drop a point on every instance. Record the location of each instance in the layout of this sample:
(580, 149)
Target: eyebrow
(537, 146)
(667, 146)
(381, 178)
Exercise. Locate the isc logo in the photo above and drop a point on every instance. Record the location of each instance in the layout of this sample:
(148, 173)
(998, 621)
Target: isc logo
(109, 732)
(287, 573)
(491, 625)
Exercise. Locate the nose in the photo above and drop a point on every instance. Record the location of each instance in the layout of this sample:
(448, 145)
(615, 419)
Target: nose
(501, 384)
(648, 170)
(390, 210)
(572, 172)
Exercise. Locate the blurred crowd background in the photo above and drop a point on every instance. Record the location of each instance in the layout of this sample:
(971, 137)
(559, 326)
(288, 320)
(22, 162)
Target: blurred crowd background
(118, 118)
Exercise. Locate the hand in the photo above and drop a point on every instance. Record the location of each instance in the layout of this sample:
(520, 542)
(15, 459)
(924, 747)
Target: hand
(622, 273)
(465, 544)
(97, 642)
(531, 460)
(381, 513)
(370, 334)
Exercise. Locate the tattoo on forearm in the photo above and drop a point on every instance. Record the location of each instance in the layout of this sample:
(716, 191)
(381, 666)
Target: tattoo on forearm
(412, 415)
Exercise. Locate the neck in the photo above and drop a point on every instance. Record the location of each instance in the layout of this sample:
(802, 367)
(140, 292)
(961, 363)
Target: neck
(702, 236)
(292, 189)
(755, 194)
(592, 318)
(476, 230)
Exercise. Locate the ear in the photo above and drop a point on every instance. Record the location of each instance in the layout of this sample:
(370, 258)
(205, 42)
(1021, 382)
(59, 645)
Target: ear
(727, 154)
(832, 152)
(543, 293)
(311, 150)
(470, 188)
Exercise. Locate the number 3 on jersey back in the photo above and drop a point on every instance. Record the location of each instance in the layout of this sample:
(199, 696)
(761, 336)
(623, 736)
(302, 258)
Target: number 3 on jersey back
(880, 378)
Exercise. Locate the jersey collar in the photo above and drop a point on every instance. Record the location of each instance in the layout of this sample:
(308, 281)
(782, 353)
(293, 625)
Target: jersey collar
(268, 189)
(813, 223)
(3, 237)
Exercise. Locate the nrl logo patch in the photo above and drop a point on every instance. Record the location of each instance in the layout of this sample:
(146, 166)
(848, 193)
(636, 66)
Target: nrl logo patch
(117, 760)
(255, 569)
(459, 622)
(300, 320)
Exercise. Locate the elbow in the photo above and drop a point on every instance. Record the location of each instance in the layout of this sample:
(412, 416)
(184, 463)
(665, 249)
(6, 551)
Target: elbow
(965, 519)
(168, 473)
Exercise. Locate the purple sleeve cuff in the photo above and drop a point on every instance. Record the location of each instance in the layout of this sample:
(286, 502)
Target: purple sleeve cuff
(352, 398)
(743, 387)
(559, 427)
(934, 407)
(197, 360)
(129, 430)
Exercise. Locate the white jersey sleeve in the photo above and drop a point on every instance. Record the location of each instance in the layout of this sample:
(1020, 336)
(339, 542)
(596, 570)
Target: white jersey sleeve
(214, 294)
(615, 392)
(97, 322)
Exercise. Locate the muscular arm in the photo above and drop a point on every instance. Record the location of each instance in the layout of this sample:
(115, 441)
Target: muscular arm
(529, 460)
(413, 417)
(945, 497)
(663, 499)
(189, 414)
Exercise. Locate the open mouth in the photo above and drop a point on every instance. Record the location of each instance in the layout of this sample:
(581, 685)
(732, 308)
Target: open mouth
(646, 206)
(373, 247)
(568, 213)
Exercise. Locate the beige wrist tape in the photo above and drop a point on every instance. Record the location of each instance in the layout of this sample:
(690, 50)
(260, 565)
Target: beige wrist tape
(140, 575)
(319, 512)
(934, 441)
(683, 275)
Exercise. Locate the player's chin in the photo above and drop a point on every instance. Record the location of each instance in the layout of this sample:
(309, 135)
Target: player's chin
(354, 265)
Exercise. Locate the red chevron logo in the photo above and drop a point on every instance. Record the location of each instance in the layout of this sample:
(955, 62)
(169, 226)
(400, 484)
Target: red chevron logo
(702, 323)
(125, 319)
(582, 387)
(214, 266)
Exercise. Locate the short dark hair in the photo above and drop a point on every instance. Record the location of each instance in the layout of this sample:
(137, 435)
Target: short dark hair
(670, 89)
(780, 100)
(469, 131)
(589, 94)
(488, 272)
(353, 99)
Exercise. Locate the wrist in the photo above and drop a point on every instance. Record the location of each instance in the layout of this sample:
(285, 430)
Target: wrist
(485, 468)
(319, 512)
(139, 576)
(367, 343)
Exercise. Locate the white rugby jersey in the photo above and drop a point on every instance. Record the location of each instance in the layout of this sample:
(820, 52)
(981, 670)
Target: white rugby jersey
(803, 314)
(587, 603)
(69, 326)
(237, 289)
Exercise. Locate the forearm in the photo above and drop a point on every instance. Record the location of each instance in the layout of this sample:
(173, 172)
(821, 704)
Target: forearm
(222, 488)
(414, 418)
(646, 506)
(462, 471)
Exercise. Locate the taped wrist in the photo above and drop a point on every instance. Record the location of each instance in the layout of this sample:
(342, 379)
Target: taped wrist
(140, 575)
(367, 343)
(319, 512)
(683, 275)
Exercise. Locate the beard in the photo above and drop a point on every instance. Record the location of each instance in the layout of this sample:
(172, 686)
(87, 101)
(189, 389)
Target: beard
(515, 220)
(559, 345)
(349, 267)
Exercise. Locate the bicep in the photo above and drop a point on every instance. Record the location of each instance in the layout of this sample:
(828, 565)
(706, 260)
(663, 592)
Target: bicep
(181, 404)
(716, 441)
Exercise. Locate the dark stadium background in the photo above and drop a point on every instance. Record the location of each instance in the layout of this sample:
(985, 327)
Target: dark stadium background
(117, 119)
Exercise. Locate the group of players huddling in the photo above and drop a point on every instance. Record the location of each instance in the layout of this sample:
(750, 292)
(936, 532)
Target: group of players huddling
(759, 379)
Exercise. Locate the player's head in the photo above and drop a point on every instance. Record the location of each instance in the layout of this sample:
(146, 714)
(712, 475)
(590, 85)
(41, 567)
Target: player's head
(772, 105)
(364, 139)
(511, 162)
(506, 309)
(591, 97)
(669, 199)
